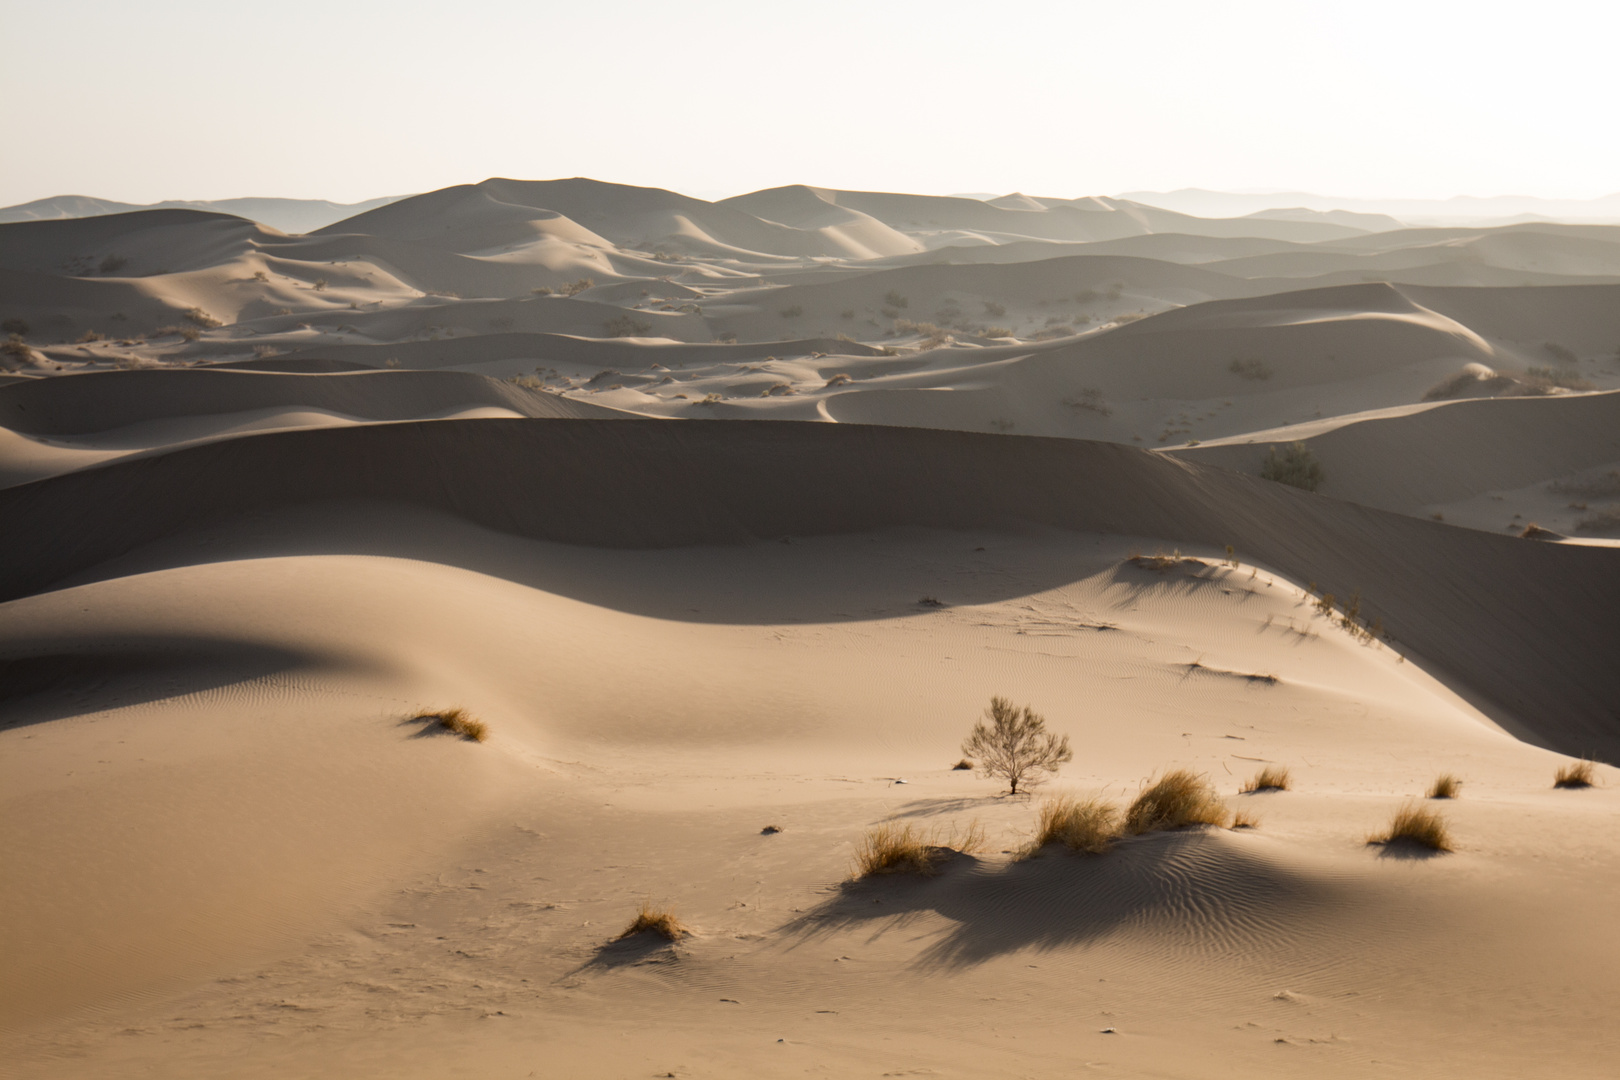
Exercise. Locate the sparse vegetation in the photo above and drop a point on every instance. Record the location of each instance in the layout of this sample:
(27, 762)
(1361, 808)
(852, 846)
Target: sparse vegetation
(16, 352)
(1091, 400)
(962, 766)
(998, 332)
(1560, 353)
(994, 310)
(895, 300)
(1244, 820)
(1014, 745)
(261, 277)
(1445, 786)
(660, 922)
(1178, 799)
(573, 288)
(893, 848)
(770, 830)
(626, 326)
(1416, 826)
(1088, 825)
(1269, 778)
(1543, 379)
(458, 721)
(200, 317)
(90, 336)
(1250, 368)
(320, 284)
(839, 379)
(1296, 466)
(1577, 774)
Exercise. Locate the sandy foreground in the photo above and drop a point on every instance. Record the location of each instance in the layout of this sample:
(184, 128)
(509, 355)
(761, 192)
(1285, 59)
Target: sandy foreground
(696, 584)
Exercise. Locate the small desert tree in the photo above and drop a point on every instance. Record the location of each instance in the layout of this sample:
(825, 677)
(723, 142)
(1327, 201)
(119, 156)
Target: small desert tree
(1014, 744)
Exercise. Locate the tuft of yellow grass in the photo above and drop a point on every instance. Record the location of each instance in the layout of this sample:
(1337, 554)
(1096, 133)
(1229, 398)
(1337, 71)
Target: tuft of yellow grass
(1244, 820)
(1577, 774)
(893, 848)
(652, 920)
(1088, 825)
(460, 722)
(1177, 799)
(1445, 786)
(1270, 778)
(1418, 825)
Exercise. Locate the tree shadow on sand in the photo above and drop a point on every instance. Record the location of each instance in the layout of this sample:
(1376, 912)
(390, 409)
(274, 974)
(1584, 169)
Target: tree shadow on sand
(1195, 887)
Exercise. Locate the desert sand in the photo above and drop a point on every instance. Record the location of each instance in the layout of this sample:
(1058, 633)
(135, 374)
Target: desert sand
(727, 520)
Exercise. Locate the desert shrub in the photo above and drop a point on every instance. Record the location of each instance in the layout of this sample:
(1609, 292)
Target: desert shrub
(16, 352)
(1577, 774)
(202, 318)
(1296, 466)
(15, 326)
(544, 290)
(1541, 378)
(895, 300)
(653, 920)
(1416, 825)
(626, 326)
(896, 849)
(89, 336)
(1091, 400)
(1088, 825)
(962, 766)
(260, 276)
(1445, 786)
(998, 332)
(264, 352)
(1251, 368)
(1451, 387)
(1269, 778)
(1014, 745)
(792, 312)
(1560, 353)
(839, 379)
(994, 310)
(1244, 820)
(112, 264)
(320, 284)
(573, 288)
(780, 389)
(727, 337)
(458, 721)
(1177, 799)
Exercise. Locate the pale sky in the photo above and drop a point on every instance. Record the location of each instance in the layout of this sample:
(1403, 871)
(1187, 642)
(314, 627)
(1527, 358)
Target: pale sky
(143, 100)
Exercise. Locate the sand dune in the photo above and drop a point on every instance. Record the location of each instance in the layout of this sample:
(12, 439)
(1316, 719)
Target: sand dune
(271, 499)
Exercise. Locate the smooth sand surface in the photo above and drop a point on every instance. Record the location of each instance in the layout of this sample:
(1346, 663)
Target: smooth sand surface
(746, 531)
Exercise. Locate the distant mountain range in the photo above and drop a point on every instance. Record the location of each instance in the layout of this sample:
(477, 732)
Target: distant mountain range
(1463, 209)
(288, 215)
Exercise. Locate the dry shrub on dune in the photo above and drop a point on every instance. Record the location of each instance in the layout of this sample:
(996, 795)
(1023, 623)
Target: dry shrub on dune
(458, 721)
(1177, 799)
(1418, 826)
(659, 921)
(1270, 778)
(1577, 774)
(1088, 825)
(1445, 786)
(894, 848)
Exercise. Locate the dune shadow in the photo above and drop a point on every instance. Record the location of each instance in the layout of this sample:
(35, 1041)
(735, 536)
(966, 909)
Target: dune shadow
(1195, 887)
(53, 680)
(1406, 850)
(632, 951)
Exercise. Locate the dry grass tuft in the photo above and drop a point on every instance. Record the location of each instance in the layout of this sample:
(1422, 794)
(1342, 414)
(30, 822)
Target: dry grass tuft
(1270, 778)
(651, 920)
(1244, 820)
(1416, 825)
(1177, 799)
(1577, 774)
(962, 765)
(460, 722)
(1088, 825)
(893, 848)
(1445, 786)
(770, 830)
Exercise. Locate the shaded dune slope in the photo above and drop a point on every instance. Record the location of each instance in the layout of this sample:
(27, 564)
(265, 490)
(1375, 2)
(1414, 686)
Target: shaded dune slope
(1522, 628)
(1451, 451)
(113, 399)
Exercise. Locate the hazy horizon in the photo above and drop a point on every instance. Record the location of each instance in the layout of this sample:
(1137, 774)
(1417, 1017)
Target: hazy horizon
(349, 101)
